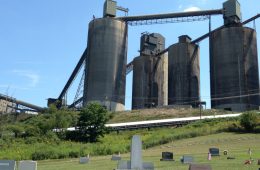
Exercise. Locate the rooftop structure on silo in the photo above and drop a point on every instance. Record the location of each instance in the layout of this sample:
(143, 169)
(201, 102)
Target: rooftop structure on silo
(232, 12)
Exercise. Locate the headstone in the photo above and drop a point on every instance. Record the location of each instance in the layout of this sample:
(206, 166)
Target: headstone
(199, 167)
(123, 165)
(7, 165)
(214, 151)
(136, 153)
(83, 160)
(116, 158)
(167, 156)
(136, 162)
(27, 165)
(187, 159)
(148, 166)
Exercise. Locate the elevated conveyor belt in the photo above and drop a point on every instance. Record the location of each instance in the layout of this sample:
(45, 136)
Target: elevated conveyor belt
(171, 15)
(19, 102)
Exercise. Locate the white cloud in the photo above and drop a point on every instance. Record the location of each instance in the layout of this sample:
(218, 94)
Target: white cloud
(33, 77)
(193, 8)
(180, 6)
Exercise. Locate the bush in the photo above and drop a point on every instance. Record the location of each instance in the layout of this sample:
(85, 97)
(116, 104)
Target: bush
(73, 154)
(249, 121)
(91, 123)
(40, 155)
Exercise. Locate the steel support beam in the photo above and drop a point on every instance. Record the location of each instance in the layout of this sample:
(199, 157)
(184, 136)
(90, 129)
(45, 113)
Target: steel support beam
(73, 75)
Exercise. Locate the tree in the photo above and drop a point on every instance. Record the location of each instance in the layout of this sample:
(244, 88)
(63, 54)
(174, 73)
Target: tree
(17, 129)
(91, 123)
(249, 121)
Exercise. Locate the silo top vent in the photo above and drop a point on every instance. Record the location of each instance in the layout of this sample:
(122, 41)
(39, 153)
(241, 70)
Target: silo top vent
(184, 39)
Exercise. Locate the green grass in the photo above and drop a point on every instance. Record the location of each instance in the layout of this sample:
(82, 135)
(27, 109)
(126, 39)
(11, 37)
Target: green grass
(236, 144)
(51, 148)
(161, 113)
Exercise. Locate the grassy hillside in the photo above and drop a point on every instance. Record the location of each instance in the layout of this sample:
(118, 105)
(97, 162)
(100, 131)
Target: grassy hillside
(161, 113)
(50, 147)
(24, 138)
(236, 144)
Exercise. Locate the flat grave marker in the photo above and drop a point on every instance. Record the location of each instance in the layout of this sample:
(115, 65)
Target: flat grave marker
(199, 167)
(116, 157)
(7, 165)
(27, 165)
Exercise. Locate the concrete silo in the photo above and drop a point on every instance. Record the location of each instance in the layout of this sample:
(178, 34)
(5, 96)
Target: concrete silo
(234, 75)
(150, 73)
(106, 61)
(234, 69)
(183, 73)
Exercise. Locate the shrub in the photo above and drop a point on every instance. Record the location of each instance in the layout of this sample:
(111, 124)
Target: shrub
(249, 121)
(42, 154)
(73, 154)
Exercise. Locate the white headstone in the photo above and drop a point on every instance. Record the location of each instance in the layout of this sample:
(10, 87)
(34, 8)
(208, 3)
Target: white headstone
(7, 165)
(136, 162)
(27, 165)
(136, 153)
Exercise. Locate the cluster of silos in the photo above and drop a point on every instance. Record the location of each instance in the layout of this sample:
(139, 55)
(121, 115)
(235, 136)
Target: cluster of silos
(173, 78)
(184, 73)
(234, 75)
(106, 63)
(150, 73)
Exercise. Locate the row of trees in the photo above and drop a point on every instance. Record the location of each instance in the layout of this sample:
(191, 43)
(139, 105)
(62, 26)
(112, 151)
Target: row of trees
(89, 124)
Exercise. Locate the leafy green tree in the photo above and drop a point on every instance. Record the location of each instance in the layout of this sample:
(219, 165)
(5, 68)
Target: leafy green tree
(91, 123)
(249, 121)
(52, 118)
(17, 129)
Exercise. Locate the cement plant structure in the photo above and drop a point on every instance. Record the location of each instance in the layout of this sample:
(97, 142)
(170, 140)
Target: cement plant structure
(168, 76)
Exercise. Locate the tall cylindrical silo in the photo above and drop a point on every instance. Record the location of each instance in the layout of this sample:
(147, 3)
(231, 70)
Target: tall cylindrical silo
(106, 63)
(184, 73)
(234, 75)
(150, 73)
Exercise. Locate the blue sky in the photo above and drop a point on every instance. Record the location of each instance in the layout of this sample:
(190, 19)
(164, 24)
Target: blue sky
(41, 41)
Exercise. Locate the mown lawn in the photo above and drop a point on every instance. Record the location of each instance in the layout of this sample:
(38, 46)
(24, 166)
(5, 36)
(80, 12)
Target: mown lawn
(236, 144)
